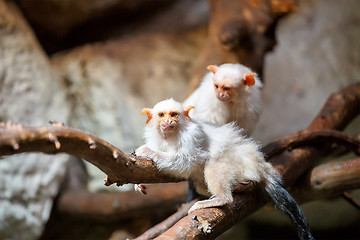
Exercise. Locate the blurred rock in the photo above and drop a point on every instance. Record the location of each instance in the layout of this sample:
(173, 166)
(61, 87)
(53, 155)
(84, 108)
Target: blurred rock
(109, 83)
(318, 52)
(30, 93)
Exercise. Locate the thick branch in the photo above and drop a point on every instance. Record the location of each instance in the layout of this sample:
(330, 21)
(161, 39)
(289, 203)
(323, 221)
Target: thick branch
(120, 168)
(307, 137)
(110, 206)
(324, 181)
(212, 222)
(328, 180)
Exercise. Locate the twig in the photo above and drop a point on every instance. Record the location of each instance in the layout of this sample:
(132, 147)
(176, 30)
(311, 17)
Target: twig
(351, 200)
(166, 224)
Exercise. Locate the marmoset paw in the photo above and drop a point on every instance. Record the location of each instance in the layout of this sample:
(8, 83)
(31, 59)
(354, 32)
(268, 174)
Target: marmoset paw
(140, 188)
(144, 151)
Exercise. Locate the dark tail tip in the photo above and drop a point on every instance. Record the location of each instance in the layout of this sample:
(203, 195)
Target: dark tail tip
(283, 201)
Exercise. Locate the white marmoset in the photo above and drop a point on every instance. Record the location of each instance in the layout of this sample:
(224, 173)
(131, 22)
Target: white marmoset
(215, 158)
(229, 93)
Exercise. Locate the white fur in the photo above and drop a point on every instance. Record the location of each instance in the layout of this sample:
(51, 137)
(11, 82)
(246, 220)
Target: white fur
(178, 154)
(215, 158)
(245, 107)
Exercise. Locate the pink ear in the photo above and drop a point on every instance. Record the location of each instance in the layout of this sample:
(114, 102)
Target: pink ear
(187, 110)
(212, 68)
(249, 79)
(147, 111)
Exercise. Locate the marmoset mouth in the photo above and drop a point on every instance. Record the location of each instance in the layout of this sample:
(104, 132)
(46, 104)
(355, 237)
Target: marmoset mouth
(223, 98)
(167, 127)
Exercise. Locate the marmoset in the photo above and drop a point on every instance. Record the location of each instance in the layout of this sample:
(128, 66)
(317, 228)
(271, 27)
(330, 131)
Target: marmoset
(230, 92)
(215, 158)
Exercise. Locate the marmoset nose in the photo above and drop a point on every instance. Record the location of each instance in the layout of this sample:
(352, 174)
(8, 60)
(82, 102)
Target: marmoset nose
(167, 121)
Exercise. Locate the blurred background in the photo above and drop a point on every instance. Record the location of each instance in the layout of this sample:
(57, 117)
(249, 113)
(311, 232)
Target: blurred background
(94, 64)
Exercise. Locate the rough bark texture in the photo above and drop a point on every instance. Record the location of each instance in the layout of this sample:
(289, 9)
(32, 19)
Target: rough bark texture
(121, 169)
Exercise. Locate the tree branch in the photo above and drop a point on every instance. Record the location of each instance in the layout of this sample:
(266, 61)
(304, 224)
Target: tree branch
(111, 206)
(338, 111)
(166, 224)
(324, 181)
(328, 180)
(351, 200)
(120, 168)
(307, 137)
